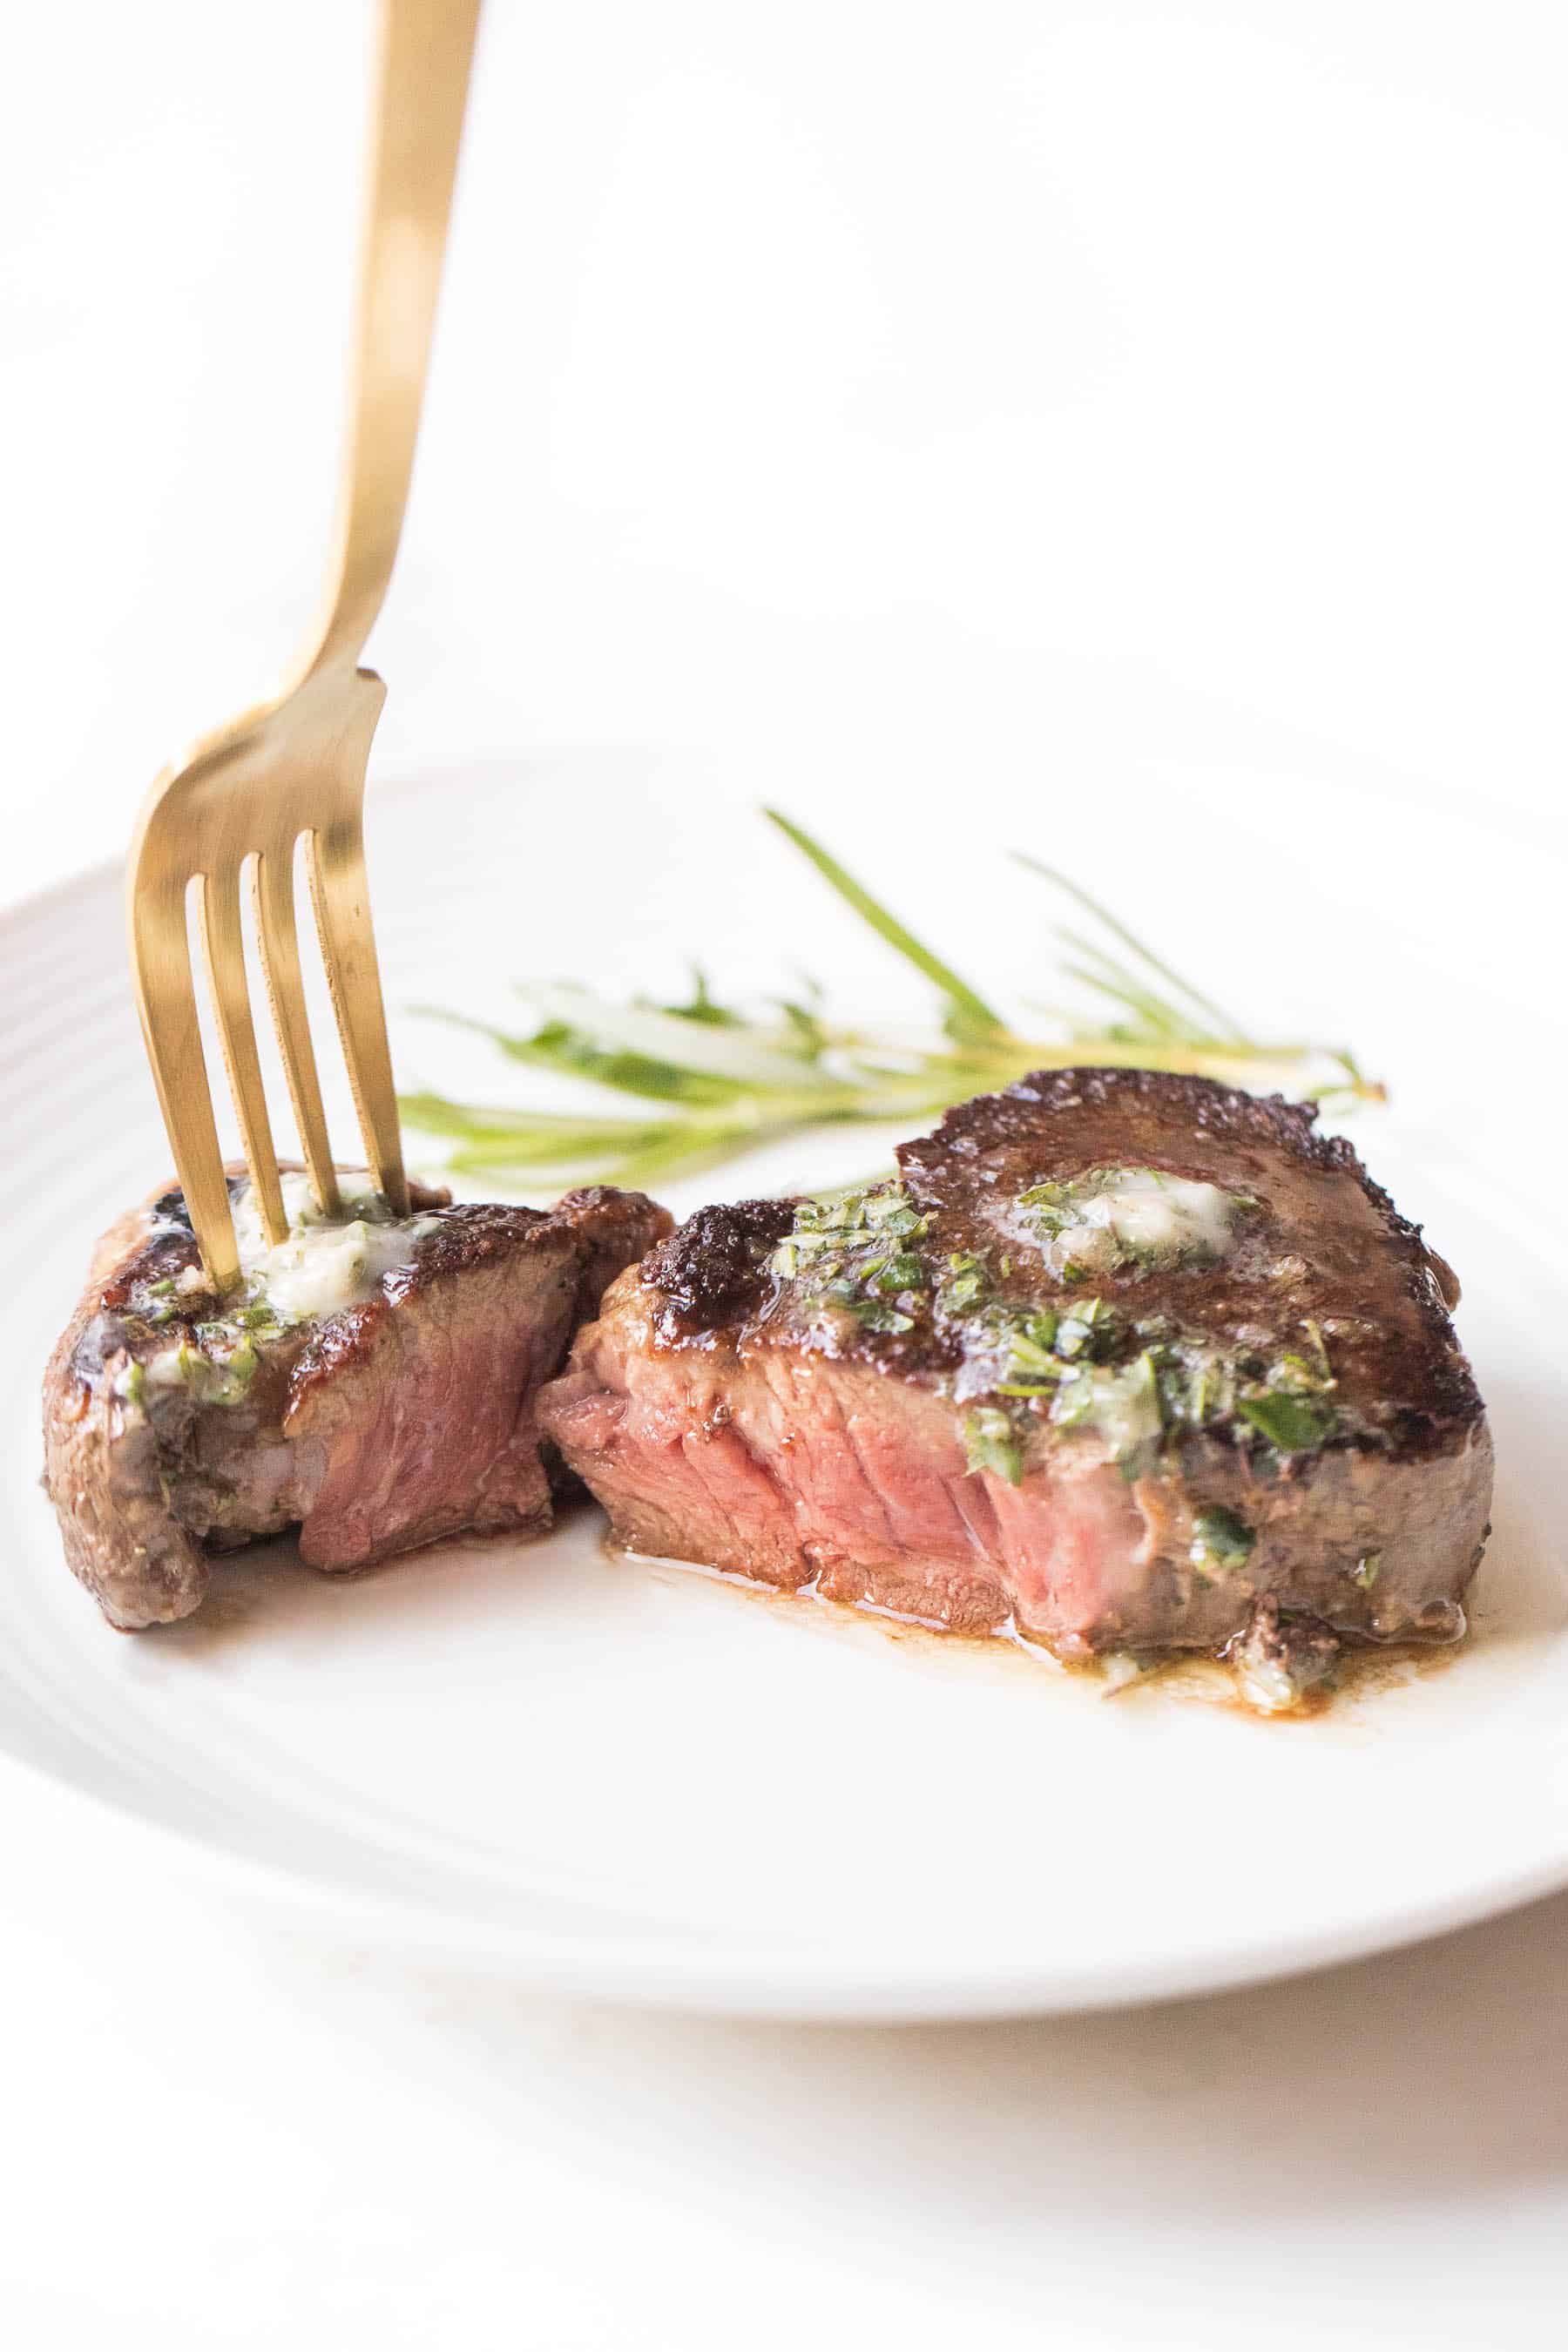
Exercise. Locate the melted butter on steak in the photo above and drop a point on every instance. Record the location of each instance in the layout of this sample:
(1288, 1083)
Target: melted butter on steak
(372, 1382)
(1281, 1292)
(1112, 1218)
(325, 1263)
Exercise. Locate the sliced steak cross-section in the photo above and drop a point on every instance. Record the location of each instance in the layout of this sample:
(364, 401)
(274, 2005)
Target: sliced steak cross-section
(176, 1425)
(1125, 1359)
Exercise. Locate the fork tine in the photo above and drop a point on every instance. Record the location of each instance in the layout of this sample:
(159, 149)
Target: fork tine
(341, 890)
(166, 1001)
(274, 886)
(297, 760)
(224, 943)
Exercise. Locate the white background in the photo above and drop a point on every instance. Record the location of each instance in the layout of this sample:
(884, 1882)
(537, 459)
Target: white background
(982, 402)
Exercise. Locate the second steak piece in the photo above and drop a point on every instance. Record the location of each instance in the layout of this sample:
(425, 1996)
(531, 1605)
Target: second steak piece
(1132, 1361)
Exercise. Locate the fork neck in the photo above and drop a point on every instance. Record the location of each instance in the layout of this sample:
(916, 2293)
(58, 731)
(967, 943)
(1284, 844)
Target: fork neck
(425, 50)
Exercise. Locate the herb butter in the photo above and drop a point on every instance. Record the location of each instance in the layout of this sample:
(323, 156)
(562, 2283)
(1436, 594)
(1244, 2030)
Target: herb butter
(1115, 1217)
(324, 1265)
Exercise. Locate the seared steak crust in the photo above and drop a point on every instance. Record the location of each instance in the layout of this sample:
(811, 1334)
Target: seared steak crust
(897, 1407)
(394, 1423)
(1338, 1249)
(712, 1271)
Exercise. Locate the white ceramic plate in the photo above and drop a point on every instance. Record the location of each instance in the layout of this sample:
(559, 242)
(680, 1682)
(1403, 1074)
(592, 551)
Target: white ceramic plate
(641, 1783)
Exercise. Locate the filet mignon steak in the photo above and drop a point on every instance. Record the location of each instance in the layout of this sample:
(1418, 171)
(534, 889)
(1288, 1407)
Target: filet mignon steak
(374, 1384)
(1122, 1359)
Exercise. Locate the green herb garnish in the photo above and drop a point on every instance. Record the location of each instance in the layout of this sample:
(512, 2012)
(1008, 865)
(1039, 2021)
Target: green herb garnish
(990, 1443)
(1123, 1406)
(904, 1272)
(964, 1286)
(1296, 1424)
(1088, 1327)
(1310, 1373)
(843, 1244)
(710, 1081)
(1220, 1539)
(1031, 1342)
(872, 1315)
(256, 1319)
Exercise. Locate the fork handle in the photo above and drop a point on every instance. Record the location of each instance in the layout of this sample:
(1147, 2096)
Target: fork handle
(424, 51)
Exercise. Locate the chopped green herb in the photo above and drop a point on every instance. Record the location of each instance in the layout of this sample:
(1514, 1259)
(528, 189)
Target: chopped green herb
(872, 1315)
(1089, 1327)
(1122, 1406)
(1310, 1374)
(891, 1213)
(1030, 1345)
(1320, 1346)
(1295, 1424)
(963, 1285)
(989, 1443)
(1220, 1539)
(904, 1272)
(843, 1242)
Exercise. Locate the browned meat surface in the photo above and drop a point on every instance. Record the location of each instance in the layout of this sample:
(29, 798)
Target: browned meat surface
(174, 1427)
(1133, 1360)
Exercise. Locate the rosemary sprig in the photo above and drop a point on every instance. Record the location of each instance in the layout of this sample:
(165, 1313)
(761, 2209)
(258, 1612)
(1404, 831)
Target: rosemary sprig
(711, 1081)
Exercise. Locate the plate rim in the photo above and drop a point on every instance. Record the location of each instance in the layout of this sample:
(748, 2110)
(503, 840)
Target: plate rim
(674, 1972)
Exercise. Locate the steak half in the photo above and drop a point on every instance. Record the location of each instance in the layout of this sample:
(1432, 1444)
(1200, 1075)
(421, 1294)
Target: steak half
(176, 1425)
(1124, 1361)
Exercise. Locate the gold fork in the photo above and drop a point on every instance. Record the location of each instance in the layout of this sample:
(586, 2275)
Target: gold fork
(296, 765)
